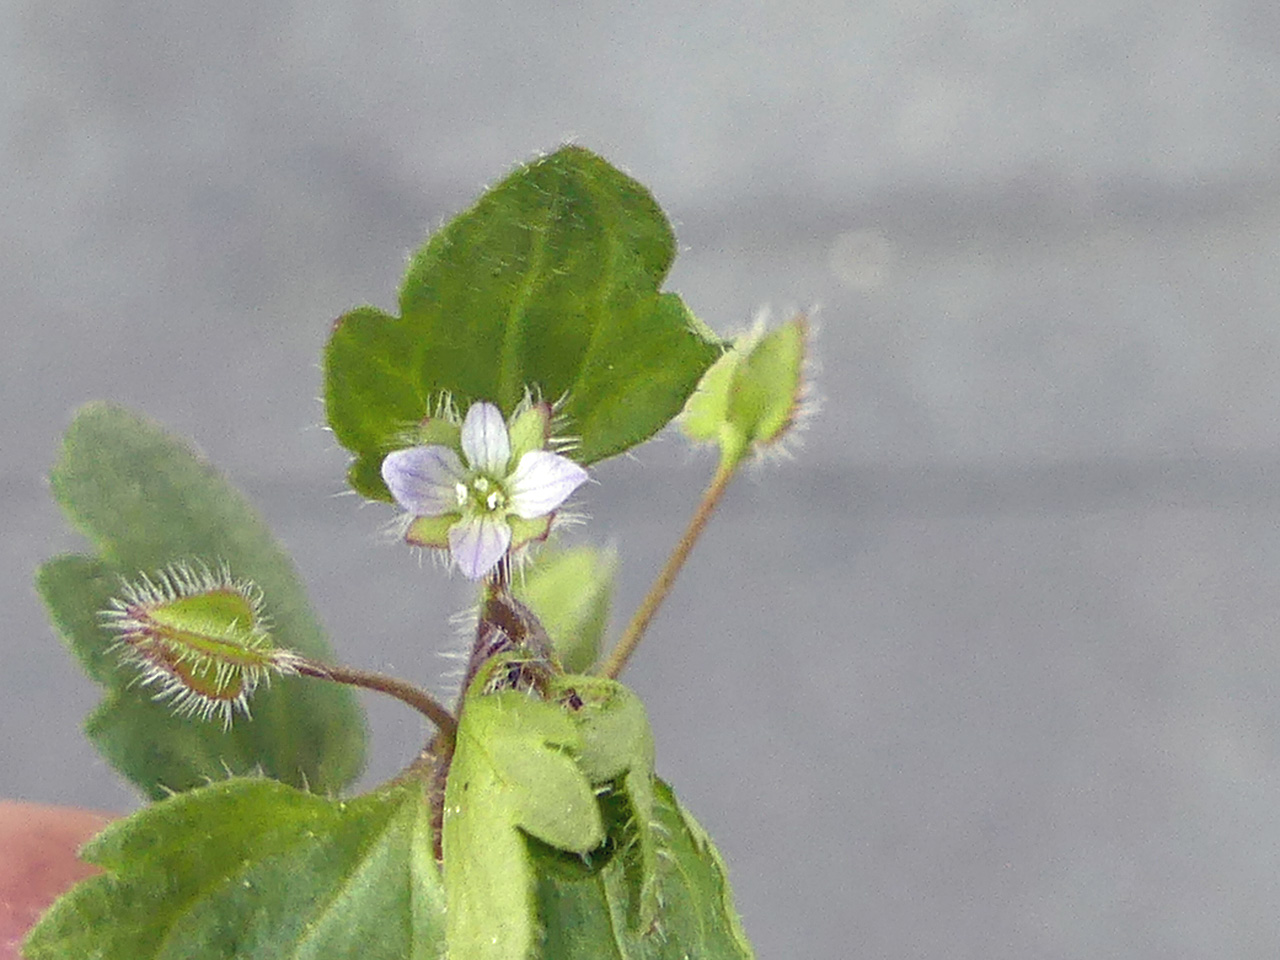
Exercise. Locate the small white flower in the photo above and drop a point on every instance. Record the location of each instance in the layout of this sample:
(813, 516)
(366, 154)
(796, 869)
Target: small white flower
(499, 499)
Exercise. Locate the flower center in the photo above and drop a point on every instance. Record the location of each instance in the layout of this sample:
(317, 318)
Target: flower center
(482, 495)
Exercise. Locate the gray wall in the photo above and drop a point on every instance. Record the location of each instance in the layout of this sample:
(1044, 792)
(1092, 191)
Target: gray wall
(991, 671)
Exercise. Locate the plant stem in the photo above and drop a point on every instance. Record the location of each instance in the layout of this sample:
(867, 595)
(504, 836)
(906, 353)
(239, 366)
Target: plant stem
(711, 497)
(403, 691)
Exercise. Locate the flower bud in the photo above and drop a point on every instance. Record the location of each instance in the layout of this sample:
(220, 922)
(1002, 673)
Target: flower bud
(753, 396)
(199, 637)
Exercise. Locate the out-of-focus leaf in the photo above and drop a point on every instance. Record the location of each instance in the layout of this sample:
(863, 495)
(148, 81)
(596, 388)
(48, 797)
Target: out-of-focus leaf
(146, 500)
(571, 591)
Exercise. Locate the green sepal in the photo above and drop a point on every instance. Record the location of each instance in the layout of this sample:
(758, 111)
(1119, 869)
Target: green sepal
(435, 431)
(571, 591)
(431, 532)
(256, 870)
(751, 396)
(529, 429)
(528, 531)
(147, 500)
(219, 612)
(197, 638)
(550, 283)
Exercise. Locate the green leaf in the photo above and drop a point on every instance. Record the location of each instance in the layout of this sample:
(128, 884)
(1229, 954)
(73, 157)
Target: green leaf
(617, 758)
(256, 870)
(697, 916)
(751, 396)
(146, 500)
(571, 775)
(571, 592)
(550, 283)
(513, 774)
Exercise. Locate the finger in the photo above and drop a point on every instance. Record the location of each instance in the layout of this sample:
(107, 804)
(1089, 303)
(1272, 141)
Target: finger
(38, 846)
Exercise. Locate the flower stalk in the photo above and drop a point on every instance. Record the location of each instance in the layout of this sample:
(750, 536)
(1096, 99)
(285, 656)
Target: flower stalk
(749, 402)
(200, 637)
(711, 497)
(403, 691)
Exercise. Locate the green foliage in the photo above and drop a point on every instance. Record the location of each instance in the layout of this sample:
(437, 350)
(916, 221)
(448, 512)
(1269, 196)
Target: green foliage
(513, 774)
(571, 591)
(571, 775)
(696, 917)
(551, 283)
(256, 870)
(617, 758)
(751, 396)
(146, 500)
(558, 841)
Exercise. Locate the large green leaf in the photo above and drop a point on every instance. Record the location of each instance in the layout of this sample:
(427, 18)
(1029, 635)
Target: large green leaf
(550, 283)
(256, 870)
(697, 918)
(146, 500)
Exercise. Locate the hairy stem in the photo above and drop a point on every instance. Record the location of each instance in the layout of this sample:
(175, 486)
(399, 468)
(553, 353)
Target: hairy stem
(405, 692)
(626, 646)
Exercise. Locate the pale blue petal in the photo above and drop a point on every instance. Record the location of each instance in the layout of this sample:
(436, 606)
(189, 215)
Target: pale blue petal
(485, 440)
(477, 544)
(424, 480)
(543, 480)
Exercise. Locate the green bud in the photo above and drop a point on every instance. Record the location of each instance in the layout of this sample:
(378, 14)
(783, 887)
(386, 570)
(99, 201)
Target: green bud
(752, 397)
(199, 637)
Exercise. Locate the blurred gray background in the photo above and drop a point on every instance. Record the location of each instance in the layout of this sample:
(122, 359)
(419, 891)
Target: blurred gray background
(992, 670)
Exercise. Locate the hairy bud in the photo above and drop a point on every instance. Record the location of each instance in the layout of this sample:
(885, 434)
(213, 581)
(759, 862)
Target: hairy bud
(199, 637)
(756, 395)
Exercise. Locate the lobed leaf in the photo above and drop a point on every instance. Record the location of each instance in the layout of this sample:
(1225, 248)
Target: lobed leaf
(256, 870)
(617, 757)
(531, 870)
(513, 774)
(145, 500)
(549, 283)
